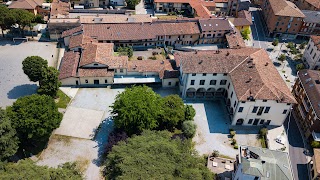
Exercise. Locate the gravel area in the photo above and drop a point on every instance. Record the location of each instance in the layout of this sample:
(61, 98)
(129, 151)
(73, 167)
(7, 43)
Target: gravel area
(14, 83)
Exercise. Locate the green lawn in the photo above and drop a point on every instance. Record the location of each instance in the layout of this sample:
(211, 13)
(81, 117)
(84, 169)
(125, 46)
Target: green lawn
(62, 100)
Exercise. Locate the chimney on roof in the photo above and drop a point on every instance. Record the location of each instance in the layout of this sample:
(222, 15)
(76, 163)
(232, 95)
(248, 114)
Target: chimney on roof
(266, 64)
(200, 62)
(228, 53)
(196, 52)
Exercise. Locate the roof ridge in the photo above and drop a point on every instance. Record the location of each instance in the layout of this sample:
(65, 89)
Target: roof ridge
(238, 64)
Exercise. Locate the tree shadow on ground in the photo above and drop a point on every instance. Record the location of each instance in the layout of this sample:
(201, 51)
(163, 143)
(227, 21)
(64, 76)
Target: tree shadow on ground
(22, 90)
(101, 137)
(277, 64)
(292, 64)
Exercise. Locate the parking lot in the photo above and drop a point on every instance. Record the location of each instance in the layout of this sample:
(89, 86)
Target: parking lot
(14, 83)
(213, 129)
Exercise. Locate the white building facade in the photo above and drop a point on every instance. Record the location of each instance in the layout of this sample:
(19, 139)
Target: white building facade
(311, 56)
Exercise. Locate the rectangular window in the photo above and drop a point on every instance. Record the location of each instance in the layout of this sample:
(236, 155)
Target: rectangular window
(213, 82)
(202, 82)
(285, 111)
(106, 81)
(235, 103)
(255, 122)
(267, 110)
(192, 82)
(121, 70)
(204, 74)
(261, 121)
(250, 121)
(308, 47)
(193, 74)
(260, 111)
(214, 74)
(223, 82)
(255, 108)
(264, 100)
(229, 85)
(268, 122)
(311, 51)
(231, 94)
(240, 109)
(225, 74)
(169, 37)
(169, 83)
(86, 80)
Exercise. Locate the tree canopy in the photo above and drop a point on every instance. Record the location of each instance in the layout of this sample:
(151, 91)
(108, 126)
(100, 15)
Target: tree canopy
(8, 139)
(189, 129)
(155, 155)
(49, 82)
(26, 169)
(23, 17)
(136, 109)
(33, 66)
(139, 108)
(34, 117)
(132, 3)
(245, 34)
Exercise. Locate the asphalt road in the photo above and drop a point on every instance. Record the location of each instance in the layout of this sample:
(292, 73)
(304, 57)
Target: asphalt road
(257, 27)
(296, 151)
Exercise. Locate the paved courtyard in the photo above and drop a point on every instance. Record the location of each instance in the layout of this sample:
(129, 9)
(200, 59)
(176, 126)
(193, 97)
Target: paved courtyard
(213, 129)
(14, 83)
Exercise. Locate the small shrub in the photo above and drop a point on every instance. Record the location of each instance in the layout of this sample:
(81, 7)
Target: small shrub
(154, 53)
(139, 58)
(215, 153)
(234, 141)
(231, 130)
(236, 146)
(189, 113)
(189, 129)
(282, 57)
(315, 144)
(290, 45)
(232, 133)
(275, 42)
(153, 58)
(299, 66)
(263, 132)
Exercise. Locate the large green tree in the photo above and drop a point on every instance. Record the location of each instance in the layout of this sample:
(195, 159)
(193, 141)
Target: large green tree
(23, 18)
(7, 18)
(132, 3)
(34, 117)
(155, 155)
(26, 169)
(49, 82)
(172, 112)
(33, 67)
(136, 109)
(8, 139)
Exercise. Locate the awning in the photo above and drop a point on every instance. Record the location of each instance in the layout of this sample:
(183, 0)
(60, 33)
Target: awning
(135, 80)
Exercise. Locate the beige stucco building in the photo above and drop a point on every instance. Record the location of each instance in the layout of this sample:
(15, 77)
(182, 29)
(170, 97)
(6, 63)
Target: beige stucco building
(311, 56)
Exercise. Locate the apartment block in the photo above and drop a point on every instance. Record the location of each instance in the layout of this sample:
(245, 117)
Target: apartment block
(234, 6)
(311, 23)
(214, 30)
(245, 78)
(307, 110)
(313, 5)
(311, 56)
(283, 18)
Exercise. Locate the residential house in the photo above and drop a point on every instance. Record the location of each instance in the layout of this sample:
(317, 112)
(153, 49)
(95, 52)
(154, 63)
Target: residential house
(213, 30)
(283, 18)
(306, 90)
(313, 5)
(253, 90)
(235, 40)
(311, 56)
(242, 21)
(139, 35)
(33, 6)
(315, 166)
(311, 23)
(90, 64)
(235, 6)
(255, 163)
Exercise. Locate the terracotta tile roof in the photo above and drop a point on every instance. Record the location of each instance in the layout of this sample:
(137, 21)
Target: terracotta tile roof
(214, 24)
(316, 41)
(172, 1)
(95, 72)
(59, 9)
(201, 10)
(235, 39)
(309, 79)
(79, 40)
(146, 65)
(71, 31)
(285, 8)
(102, 53)
(314, 3)
(115, 18)
(244, 19)
(69, 63)
(25, 4)
(251, 71)
(138, 31)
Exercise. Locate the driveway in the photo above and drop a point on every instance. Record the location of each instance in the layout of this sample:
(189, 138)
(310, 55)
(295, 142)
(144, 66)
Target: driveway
(14, 83)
